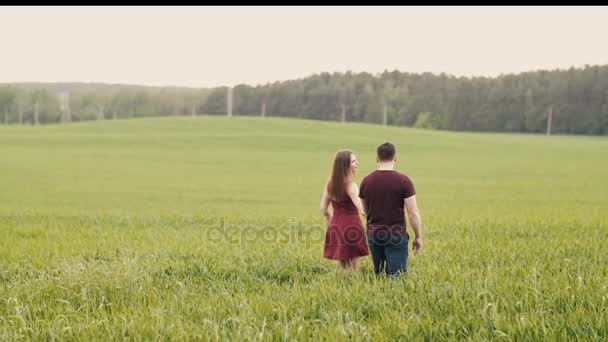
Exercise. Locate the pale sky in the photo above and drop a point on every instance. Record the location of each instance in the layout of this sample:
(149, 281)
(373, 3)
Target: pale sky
(216, 46)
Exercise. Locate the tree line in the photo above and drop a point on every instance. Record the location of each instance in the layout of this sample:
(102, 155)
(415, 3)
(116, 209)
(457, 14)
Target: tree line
(35, 103)
(576, 97)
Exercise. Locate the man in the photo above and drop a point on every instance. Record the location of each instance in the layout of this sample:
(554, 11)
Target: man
(387, 195)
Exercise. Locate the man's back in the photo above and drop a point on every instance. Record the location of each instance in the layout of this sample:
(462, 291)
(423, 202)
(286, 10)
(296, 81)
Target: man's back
(386, 195)
(384, 192)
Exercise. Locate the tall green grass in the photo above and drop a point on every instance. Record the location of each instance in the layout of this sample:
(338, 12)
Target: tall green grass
(208, 228)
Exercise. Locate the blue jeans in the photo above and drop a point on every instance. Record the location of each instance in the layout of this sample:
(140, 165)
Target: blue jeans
(389, 252)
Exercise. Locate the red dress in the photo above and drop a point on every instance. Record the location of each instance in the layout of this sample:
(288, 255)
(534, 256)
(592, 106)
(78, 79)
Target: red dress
(345, 237)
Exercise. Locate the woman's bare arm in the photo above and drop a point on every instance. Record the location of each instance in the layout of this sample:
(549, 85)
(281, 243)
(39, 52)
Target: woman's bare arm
(325, 206)
(353, 192)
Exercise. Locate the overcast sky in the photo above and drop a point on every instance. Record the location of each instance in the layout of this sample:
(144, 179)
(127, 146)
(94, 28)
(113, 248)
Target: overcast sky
(214, 46)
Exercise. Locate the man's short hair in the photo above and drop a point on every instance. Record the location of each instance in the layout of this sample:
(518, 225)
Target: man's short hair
(386, 152)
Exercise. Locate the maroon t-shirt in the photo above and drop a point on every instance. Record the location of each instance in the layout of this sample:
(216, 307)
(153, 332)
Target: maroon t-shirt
(384, 191)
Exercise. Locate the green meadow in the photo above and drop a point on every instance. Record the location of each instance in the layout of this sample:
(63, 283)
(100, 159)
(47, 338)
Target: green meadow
(208, 228)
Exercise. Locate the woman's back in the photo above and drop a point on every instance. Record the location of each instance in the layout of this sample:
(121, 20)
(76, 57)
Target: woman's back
(345, 236)
(344, 206)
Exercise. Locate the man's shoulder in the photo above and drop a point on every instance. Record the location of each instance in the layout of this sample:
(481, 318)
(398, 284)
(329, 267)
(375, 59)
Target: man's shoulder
(404, 177)
(402, 174)
(369, 176)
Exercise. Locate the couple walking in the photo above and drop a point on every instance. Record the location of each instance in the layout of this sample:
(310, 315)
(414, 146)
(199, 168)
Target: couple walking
(385, 196)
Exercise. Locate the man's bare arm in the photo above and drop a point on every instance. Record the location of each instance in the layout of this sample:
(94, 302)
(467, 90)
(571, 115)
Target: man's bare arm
(411, 207)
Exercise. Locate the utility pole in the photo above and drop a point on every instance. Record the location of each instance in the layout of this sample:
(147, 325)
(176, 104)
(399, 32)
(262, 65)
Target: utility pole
(100, 114)
(384, 116)
(68, 111)
(549, 119)
(229, 102)
(36, 113)
(175, 104)
(64, 104)
(20, 111)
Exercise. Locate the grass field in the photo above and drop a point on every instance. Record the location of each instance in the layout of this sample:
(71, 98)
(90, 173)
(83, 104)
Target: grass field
(208, 228)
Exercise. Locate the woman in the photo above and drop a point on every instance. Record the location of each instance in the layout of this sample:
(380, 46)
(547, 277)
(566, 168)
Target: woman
(345, 237)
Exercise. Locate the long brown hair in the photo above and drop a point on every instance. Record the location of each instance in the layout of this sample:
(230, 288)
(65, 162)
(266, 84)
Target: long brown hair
(340, 173)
